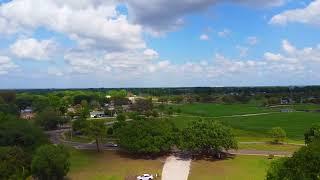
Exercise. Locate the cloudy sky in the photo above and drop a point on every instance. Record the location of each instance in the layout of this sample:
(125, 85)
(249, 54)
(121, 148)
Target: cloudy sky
(158, 43)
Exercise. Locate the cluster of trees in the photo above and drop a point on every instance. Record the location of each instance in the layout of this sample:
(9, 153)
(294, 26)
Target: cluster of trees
(25, 151)
(155, 137)
(304, 164)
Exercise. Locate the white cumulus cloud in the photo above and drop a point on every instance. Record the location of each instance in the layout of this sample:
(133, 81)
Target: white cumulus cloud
(33, 49)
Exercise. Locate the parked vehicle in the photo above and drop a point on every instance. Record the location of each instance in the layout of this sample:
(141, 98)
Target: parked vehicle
(145, 177)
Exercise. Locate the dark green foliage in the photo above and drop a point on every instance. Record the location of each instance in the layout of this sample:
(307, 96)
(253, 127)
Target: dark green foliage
(79, 125)
(9, 109)
(8, 96)
(207, 137)
(142, 105)
(303, 165)
(312, 133)
(48, 119)
(50, 162)
(147, 136)
(20, 133)
(121, 117)
(14, 163)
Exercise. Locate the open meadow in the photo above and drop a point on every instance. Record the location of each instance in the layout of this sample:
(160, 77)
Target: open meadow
(239, 167)
(109, 165)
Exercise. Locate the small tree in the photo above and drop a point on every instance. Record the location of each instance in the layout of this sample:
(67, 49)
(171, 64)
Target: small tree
(50, 162)
(278, 135)
(312, 133)
(96, 129)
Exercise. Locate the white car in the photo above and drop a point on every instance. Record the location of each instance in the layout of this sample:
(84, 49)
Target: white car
(145, 177)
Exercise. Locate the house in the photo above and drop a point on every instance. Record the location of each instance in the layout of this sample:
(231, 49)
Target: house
(284, 101)
(97, 114)
(27, 113)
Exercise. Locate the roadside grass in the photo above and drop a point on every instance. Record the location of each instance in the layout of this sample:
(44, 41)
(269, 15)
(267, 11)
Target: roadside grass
(109, 165)
(269, 147)
(240, 168)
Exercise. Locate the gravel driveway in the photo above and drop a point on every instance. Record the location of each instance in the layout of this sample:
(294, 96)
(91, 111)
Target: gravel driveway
(176, 168)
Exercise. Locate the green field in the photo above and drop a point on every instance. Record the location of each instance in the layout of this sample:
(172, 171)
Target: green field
(107, 165)
(252, 128)
(216, 110)
(239, 168)
(295, 124)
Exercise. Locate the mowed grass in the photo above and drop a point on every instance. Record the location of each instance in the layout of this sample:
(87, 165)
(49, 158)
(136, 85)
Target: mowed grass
(295, 124)
(257, 128)
(270, 147)
(216, 110)
(239, 168)
(109, 165)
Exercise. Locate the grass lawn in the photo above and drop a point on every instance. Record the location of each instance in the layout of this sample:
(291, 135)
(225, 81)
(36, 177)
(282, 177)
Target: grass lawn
(108, 165)
(256, 128)
(239, 168)
(220, 109)
(270, 147)
(295, 124)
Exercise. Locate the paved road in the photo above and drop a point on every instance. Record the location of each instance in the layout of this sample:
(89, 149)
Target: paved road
(56, 138)
(176, 168)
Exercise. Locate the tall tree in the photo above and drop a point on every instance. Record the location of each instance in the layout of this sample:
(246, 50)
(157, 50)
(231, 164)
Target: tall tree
(97, 130)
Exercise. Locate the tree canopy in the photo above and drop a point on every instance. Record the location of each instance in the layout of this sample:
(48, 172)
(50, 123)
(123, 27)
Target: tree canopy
(204, 136)
(312, 133)
(303, 165)
(50, 162)
(147, 136)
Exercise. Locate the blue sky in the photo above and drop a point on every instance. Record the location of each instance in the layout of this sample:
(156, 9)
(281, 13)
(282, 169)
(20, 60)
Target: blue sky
(158, 43)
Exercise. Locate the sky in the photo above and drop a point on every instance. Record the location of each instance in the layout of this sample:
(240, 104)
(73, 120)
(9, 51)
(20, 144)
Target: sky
(158, 43)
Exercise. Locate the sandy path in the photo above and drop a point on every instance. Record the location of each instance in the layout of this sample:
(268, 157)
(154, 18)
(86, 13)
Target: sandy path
(176, 168)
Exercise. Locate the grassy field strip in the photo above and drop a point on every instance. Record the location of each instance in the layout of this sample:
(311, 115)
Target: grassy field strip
(229, 116)
(240, 167)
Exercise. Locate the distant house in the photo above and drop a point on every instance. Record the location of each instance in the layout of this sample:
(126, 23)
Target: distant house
(285, 101)
(27, 113)
(97, 114)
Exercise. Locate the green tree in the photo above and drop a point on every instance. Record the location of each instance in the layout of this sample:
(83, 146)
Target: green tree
(48, 119)
(14, 163)
(303, 165)
(147, 136)
(97, 130)
(209, 137)
(312, 133)
(50, 162)
(14, 132)
(278, 135)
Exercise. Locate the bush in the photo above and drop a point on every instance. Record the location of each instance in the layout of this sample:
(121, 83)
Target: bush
(278, 135)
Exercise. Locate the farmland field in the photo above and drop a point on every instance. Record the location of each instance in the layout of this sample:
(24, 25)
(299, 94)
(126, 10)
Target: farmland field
(107, 165)
(251, 127)
(214, 110)
(240, 168)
